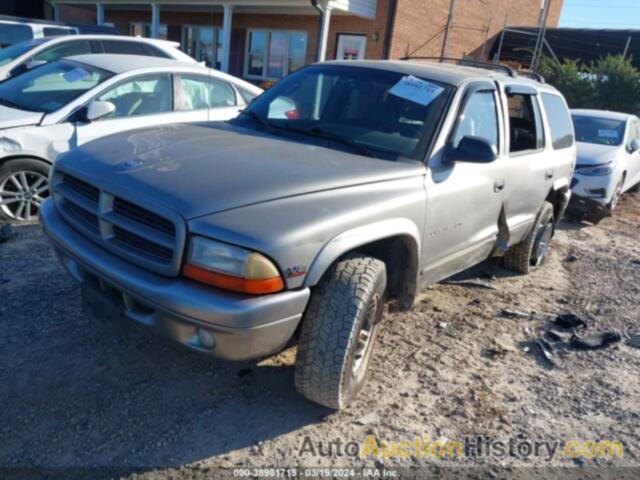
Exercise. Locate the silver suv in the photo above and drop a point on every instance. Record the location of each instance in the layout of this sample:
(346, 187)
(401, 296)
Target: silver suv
(346, 186)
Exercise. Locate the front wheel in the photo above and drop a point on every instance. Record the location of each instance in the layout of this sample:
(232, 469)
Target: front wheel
(24, 185)
(531, 252)
(339, 331)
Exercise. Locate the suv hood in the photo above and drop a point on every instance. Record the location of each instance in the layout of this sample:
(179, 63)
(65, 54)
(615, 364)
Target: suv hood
(200, 170)
(13, 117)
(594, 154)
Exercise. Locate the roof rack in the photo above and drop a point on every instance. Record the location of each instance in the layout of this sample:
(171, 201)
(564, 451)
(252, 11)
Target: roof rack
(472, 63)
(533, 75)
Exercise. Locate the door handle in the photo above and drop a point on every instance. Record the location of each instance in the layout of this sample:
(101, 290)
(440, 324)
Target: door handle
(548, 175)
(498, 185)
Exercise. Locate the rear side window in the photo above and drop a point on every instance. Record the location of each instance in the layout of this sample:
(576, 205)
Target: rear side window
(559, 121)
(11, 33)
(54, 31)
(125, 48)
(203, 92)
(65, 49)
(525, 126)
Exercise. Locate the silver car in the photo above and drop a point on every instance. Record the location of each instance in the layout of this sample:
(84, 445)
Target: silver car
(24, 56)
(608, 161)
(64, 104)
(344, 187)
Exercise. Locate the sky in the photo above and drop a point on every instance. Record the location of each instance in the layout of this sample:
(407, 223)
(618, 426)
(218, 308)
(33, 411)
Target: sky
(600, 14)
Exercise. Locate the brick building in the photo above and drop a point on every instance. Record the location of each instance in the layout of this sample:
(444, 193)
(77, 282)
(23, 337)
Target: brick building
(266, 39)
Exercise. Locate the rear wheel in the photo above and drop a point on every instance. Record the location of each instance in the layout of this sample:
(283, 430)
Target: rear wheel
(24, 185)
(339, 331)
(531, 252)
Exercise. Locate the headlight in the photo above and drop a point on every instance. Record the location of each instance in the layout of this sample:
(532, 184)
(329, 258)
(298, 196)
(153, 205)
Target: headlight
(596, 171)
(232, 268)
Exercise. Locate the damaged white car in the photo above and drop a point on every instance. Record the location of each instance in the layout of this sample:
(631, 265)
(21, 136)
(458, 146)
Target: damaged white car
(58, 106)
(608, 161)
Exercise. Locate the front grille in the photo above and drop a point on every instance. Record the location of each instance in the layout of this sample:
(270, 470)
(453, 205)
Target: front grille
(142, 245)
(88, 219)
(83, 188)
(144, 216)
(142, 235)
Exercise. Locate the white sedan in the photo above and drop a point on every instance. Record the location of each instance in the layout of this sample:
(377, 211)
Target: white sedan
(23, 56)
(608, 161)
(63, 104)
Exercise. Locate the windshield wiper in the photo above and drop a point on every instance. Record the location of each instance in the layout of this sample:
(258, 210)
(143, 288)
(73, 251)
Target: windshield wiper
(10, 104)
(264, 123)
(320, 133)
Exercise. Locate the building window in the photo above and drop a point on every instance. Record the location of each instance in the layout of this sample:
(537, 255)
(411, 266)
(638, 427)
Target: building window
(203, 44)
(274, 54)
(142, 29)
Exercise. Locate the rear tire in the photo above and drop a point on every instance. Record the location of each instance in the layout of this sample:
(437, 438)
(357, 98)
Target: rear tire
(531, 252)
(24, 185)
(339, 331)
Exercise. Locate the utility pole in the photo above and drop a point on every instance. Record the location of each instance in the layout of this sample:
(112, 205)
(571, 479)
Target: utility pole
(447, 31)
(537, 52)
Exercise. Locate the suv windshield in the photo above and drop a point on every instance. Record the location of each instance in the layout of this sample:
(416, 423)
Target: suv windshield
(51, 86)
(374, 112)
(14, 51)
(601, 131)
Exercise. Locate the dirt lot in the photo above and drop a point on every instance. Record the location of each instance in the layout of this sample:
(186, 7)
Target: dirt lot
(77, 393)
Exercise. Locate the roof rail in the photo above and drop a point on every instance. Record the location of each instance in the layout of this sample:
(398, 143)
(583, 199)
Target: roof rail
(533, 75)
(472, 63)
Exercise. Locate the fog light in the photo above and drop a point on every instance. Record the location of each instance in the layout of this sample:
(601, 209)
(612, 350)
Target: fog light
(206, 339)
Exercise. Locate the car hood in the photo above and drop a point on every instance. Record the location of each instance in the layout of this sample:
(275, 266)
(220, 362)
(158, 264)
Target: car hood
(200, 170)
(13, 117)
(594, 154)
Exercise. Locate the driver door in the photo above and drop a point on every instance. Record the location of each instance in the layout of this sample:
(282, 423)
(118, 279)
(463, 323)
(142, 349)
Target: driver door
(464, 199)
(142, 101)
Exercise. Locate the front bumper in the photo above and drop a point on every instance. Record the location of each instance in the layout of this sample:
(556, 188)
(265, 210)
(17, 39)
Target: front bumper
(598, 189)
(224, 324)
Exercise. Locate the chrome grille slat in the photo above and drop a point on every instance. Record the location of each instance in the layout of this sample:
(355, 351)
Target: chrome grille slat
(149, 239)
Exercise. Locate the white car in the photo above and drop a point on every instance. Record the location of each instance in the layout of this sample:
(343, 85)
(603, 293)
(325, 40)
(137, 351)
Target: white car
(24, 56)
(15, 30)
(608, 160)
(58, 106)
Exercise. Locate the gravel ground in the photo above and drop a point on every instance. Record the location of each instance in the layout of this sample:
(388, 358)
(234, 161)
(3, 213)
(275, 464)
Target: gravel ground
(77, 393)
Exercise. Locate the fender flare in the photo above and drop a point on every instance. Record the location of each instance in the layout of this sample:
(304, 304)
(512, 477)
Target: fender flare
(357, 237)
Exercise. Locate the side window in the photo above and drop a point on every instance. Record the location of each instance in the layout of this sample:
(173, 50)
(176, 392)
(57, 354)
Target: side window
(559, 121)
(65, 49)
(146, 95)
(202, 92)
(55, 31)
(479, 119)
(525, 127)
(156, 52)
(124, 47)
(246, 95)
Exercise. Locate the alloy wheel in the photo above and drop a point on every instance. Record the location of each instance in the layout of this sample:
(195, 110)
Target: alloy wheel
(543, 239)
(366, 337)
(22, 193)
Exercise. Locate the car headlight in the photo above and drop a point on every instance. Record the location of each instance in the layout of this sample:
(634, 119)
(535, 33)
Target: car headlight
(231, 268)
(595, 171)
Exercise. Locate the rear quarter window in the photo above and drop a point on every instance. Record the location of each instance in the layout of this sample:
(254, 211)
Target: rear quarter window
(559, 121)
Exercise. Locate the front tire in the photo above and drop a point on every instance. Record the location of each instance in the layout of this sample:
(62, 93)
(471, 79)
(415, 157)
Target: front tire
(24, 185)
(531, 252)
(339, 331)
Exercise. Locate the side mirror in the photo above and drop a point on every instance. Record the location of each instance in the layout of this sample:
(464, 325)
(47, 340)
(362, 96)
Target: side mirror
(471, 149)
(97, 109)
(634, 146)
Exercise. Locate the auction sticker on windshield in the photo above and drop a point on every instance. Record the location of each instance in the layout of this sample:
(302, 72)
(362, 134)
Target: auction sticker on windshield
(75, 75)
(416, 90)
